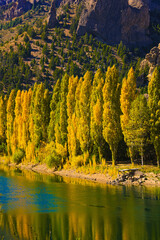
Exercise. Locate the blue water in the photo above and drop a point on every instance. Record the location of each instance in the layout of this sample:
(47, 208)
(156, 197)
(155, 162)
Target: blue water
(34, 206)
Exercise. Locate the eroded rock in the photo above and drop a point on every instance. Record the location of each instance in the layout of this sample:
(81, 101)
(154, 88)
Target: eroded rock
(152, 59)
(17, 9)
(116, 20)
(52, 15)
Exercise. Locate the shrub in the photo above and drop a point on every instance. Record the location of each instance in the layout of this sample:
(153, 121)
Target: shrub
(3, 148)
(77, 161)
(18, 156)
(53, 160)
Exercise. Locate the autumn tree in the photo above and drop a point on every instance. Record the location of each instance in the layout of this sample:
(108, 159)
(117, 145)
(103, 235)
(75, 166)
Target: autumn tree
(154, 106)
(128, 94)
(61, 131)
(77, 125)
(138, 126)
(25, 118)
(53, 107)
(96, 109)
(38, 114)
(10, 118)
(45, 108)
(111, 111)
(73, 82)
(84, 111)
(3, 120)
(17, 125)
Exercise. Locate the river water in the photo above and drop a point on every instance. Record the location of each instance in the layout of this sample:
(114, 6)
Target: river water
(34, 206)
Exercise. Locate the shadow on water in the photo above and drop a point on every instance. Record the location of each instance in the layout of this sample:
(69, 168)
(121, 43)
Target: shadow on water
(36, 206)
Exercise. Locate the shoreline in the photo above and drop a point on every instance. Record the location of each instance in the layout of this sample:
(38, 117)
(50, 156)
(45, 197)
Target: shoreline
(138, 178)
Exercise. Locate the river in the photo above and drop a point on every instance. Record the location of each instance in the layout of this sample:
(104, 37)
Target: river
(36, 206)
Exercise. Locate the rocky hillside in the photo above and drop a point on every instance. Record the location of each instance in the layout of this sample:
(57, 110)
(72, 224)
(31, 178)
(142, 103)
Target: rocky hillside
(11, 9)
(131, 21)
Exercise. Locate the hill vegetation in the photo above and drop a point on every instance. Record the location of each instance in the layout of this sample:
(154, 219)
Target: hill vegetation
(31, 52)
(83, 121)
(73, 100)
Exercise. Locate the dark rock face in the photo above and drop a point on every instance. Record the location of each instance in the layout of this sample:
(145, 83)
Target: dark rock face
(52, 16)
(18, 8)
(116, 20)
(152, 59)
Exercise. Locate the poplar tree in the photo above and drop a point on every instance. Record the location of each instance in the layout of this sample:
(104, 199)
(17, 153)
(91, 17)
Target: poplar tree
(96, 109)
(73, 81)
(84, 109)
(154, 106)
(45, 114)
(138, 125)
(10, 118)
(128, 94)
(77, 117)
(63, 110)
(111, 111)
(25, 118)
(17, 125)
(53, 107)
(3, 119)
(31, 114)
(38, 114)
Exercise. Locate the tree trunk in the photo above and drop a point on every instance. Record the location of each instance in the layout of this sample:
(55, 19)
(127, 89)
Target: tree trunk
(114, 153)
(158, 157)
(131, 153)
(142, 155)
(100, 155)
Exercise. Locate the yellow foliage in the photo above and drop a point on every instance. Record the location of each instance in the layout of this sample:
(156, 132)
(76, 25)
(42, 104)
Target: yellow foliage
(113, 172)
(61, 150)
(85, 158)
(77, 161)
(30, 152)
(103, 162)
(94, 162)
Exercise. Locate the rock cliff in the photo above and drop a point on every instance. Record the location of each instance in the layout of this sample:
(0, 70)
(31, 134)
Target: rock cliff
(116, 20)
(17, 8)
(52, 15)
(152, 59)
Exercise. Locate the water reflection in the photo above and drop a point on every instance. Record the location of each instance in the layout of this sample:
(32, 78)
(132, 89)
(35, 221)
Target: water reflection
(39, 207)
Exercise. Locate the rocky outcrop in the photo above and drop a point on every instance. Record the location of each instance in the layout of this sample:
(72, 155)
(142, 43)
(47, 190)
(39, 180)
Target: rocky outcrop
(52, 15)
(116, 20)
(152, 59)
(18, 8)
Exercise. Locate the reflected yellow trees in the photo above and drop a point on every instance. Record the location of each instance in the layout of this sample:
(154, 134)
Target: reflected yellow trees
(90, 211)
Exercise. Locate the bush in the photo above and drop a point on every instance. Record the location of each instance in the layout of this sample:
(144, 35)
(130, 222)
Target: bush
(18, 156)
(77, 161)
(53, 160)
(3, 148)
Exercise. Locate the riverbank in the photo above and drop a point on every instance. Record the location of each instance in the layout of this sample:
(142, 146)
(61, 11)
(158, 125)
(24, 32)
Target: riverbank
(145, 176)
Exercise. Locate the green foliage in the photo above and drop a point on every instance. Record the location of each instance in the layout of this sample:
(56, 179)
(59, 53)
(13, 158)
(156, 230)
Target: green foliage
(138, 125)
(111, 111)
(3, 148)
(154, 106)
(53, 160)
(18, 156)
(75, 20)
(81, 118)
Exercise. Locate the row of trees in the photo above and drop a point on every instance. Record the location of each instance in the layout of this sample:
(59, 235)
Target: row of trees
(83, 116)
